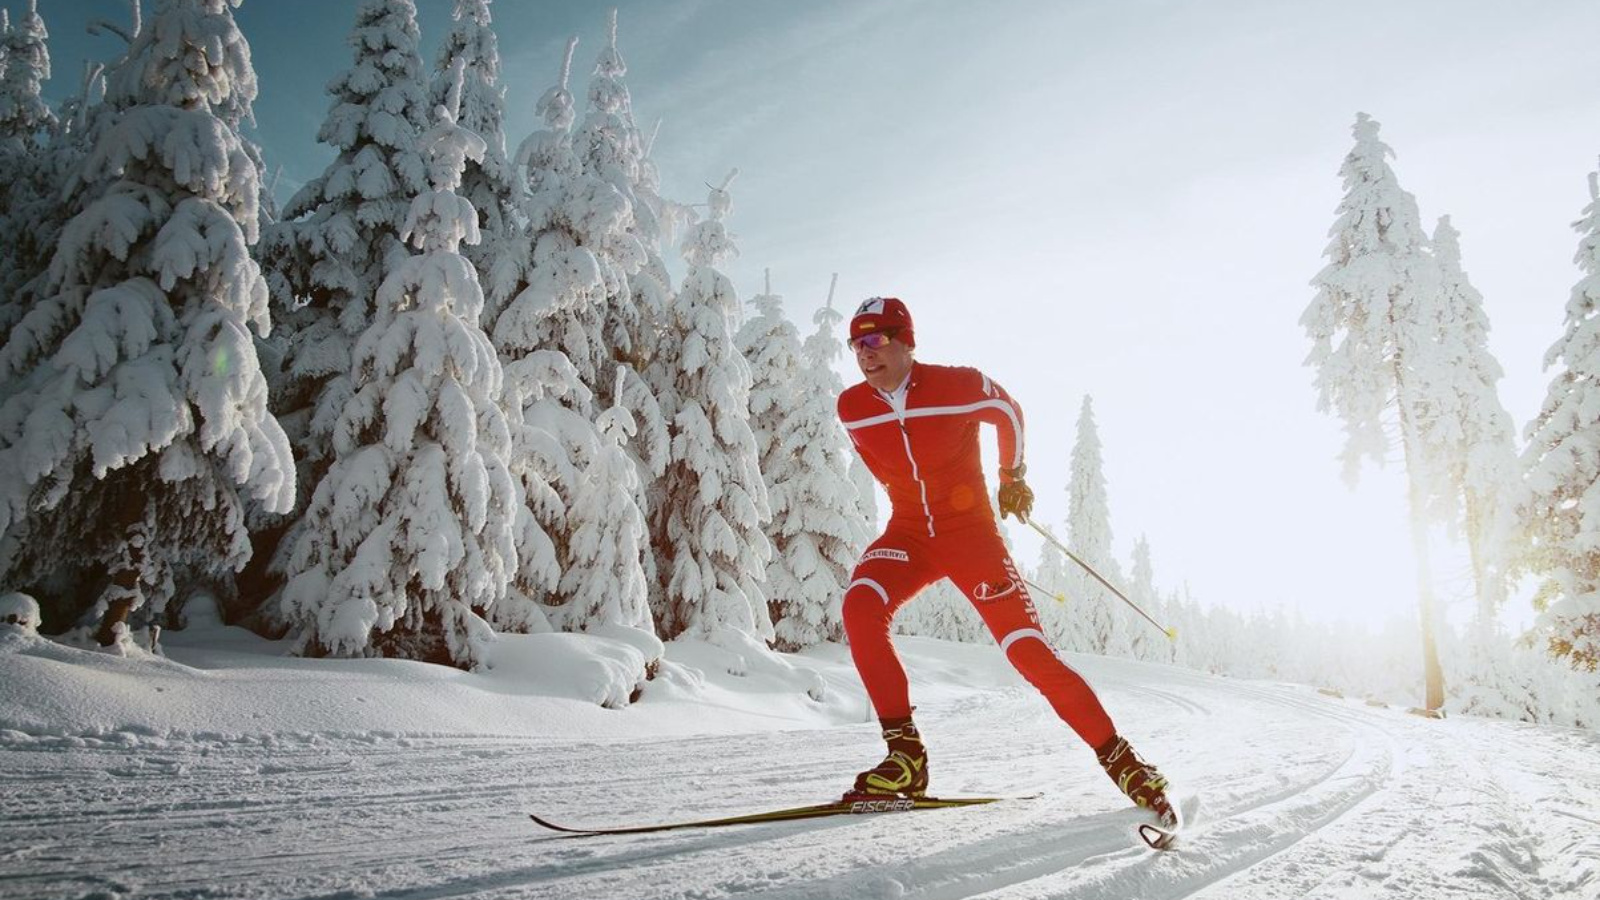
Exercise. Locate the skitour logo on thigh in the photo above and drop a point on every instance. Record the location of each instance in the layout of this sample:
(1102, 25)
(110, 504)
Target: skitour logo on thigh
(884, 553)
(985, 592)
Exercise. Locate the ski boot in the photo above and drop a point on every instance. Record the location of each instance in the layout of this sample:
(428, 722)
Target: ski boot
(903, 773)
(1142, 782)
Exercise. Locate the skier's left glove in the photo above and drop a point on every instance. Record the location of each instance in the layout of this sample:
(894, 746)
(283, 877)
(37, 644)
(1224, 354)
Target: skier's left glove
(1016, 498)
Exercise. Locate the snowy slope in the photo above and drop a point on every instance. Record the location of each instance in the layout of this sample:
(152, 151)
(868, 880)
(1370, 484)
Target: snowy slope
(233, 772)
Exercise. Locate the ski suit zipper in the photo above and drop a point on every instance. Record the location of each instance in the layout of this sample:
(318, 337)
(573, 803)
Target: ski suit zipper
(898, 405)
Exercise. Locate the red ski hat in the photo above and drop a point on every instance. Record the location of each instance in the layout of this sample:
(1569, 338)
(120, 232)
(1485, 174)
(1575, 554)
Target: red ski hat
(883, 314)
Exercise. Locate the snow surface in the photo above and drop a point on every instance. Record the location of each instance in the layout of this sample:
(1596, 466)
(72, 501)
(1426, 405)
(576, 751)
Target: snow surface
(225, 769)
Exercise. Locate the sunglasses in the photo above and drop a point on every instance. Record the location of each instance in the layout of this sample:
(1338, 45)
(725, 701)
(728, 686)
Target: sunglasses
(877, 340)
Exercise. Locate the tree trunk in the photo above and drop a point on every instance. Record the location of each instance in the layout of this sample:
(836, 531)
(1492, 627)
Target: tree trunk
(124, 590)
(123, 594)
(1432, 673)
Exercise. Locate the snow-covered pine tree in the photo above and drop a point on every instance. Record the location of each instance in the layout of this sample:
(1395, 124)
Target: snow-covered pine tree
(1372, 327)
(708, 531)
(671, 219)
(770, 345)
(1066, 620)
(610, 147)
(1493, 678)
(1473, 437)
(1089, 537)
(1145, 642)
(1186, 616)
(834, 518)
(410, 534)
(341, 230)
(30, 188)
(140, 411)
(25, 119)
(1563, 467)
(1088, 513)
(605, 581)
(550, 281)
(816, 531)
(74, 117)
(537, 390)
(1482, 483)
(585, 211)
(820, 380)
(866, 491)
(472, 44)
(1055, 604)
(823, 349)
(637, 284)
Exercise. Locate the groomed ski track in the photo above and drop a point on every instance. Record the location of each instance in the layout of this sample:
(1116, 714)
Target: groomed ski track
(1303, 796)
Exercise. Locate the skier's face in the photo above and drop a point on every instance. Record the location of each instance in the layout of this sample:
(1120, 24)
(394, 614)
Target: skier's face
(886, 366)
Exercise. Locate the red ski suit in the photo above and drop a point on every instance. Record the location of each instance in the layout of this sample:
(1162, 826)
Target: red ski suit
(926, 455)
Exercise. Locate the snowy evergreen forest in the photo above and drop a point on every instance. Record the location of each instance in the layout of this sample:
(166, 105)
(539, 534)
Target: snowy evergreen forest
(450, 389)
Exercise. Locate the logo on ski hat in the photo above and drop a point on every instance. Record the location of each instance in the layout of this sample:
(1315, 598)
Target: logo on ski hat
(883, 314)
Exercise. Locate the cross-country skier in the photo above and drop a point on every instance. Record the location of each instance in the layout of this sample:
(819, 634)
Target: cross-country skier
(916, 426)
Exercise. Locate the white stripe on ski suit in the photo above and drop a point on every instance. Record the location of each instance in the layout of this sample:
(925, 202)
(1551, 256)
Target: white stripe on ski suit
(923, 485)
(868, 582)
(897, 400)
(921, 412)
(1020, 634)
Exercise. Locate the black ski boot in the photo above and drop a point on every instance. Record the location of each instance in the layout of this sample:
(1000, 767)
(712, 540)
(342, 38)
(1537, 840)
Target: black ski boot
(1142, 782)
(903, 773)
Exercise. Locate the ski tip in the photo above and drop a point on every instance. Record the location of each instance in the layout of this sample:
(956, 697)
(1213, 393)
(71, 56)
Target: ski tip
(1164, 836)
(550, 825)
(1157, 838)
(1172, 634)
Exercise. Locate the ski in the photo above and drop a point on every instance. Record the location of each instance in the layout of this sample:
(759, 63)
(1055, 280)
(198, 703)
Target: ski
(818, 811)
(1165, 837)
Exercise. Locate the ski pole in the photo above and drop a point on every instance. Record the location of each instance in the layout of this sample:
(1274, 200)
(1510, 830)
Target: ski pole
(1171, 633)
(1059, 598)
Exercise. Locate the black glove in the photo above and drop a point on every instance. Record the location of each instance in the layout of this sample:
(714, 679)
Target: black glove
(1016, 498)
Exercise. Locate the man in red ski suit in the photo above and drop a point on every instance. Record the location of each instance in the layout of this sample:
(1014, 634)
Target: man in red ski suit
(916, 427)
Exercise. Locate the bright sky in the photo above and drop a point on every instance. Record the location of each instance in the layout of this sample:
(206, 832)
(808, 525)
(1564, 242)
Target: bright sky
(1124, 199)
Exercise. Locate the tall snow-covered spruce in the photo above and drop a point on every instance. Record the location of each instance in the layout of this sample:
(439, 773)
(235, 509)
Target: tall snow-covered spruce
(822, 352)
(29, 157)
(410, 532)
(1471, 436)
(1373, 325)
(1058, 611)
(816, 530)
(604, 582)
(341, 235)
(550, 285)
(770, 345)
(836, 519)
(472, 45)
(139, 413)
(1102, 624)
(708, 528)
(610, 147)
(1142, 590)
(1563, 467)
(25, 119)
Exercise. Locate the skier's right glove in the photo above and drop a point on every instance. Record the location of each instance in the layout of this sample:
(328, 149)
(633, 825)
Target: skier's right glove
(1016, 499)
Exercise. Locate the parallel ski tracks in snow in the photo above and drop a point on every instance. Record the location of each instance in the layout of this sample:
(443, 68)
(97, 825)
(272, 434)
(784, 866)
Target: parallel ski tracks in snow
(1301, 796)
